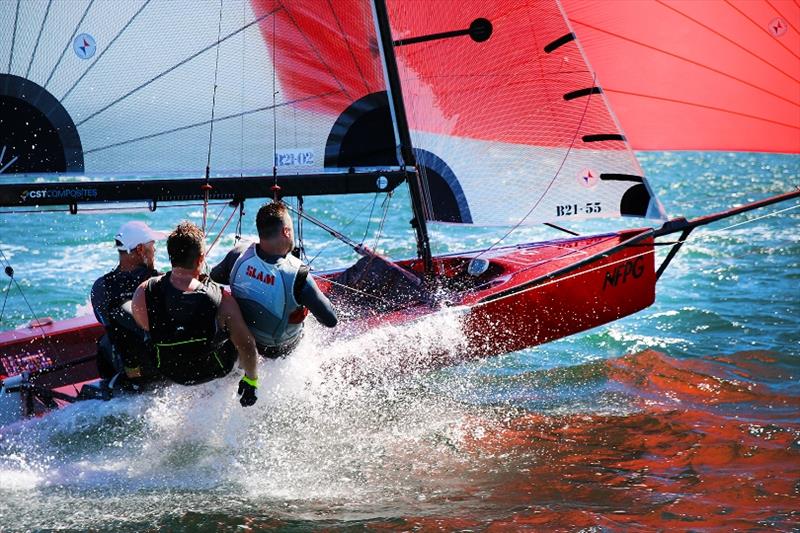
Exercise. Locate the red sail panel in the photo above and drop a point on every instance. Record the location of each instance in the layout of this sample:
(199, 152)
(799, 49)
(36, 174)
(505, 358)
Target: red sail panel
(697, 75)
(506, 89)
(322, 49)
(507, 121)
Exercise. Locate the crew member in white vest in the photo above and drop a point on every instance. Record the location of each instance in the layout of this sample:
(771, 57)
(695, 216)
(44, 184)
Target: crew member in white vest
(272, 287)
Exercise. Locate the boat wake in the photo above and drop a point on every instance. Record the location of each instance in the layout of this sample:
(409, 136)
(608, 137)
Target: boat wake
(637, 441)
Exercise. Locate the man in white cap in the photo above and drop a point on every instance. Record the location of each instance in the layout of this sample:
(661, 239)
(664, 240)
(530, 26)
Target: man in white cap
(123, 347)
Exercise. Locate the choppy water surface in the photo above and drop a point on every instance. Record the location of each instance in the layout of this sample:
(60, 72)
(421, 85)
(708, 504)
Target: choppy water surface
(684, 416)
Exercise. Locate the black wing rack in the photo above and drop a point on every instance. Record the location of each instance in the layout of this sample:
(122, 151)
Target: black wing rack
(73, 193)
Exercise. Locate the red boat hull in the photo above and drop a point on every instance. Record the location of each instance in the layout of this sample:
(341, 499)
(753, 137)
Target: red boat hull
(529, 295)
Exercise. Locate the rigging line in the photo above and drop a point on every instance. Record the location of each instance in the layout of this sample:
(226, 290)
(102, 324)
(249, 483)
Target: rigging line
(764, 29)
(349, 48)
(332, 240)
(687, 60)
(316, 51)
(274, 103)
(749, 220)
(731, 41)
(375, 243)
(369, 218)
(219, 214)
(221, 231)
(241, 95)
(207, 187)
(702, 106)
(624, 259)
(13, 37)
(349, 288)
(5, 300)
(555, 176)
(27, 303)
(383, 221)
(38, 37)
(204, 122)
(102, 53)
(173, 67)
(69, 43)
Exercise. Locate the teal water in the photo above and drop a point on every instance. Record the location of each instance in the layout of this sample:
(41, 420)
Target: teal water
(316, 453)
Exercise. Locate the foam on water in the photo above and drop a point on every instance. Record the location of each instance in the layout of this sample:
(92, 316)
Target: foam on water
(338, 422)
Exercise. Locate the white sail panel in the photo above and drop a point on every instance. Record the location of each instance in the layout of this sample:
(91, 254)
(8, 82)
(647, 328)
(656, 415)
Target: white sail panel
(507, 120)
(126, 88)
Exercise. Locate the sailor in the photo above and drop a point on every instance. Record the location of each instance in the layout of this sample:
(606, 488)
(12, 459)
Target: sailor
(123, 346)
(196, 329)
(272, 286)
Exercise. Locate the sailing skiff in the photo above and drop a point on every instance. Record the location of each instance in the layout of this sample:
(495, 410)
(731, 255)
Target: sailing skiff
(490, 112)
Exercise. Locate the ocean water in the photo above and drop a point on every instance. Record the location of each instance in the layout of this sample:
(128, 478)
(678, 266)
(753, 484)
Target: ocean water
(684, 416)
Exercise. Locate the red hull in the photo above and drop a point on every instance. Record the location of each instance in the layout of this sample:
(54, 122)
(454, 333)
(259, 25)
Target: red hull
(530, 294)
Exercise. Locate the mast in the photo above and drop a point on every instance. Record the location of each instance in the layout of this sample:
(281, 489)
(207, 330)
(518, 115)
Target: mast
(405, 151)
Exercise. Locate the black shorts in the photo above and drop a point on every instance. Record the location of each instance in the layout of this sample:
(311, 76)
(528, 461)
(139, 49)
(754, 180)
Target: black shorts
(193, 368)
(274, 352)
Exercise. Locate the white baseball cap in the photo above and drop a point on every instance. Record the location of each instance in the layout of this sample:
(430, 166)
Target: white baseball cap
(131, 234)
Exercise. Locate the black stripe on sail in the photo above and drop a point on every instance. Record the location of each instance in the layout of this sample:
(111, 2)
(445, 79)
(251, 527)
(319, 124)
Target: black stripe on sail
(622, 177)
(559, 42)
(603, 137)
(582, 92)
(480, 30)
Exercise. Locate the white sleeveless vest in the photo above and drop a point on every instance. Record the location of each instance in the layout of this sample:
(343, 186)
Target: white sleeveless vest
(265, 294)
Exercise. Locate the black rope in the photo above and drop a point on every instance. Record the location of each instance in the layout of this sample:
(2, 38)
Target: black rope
(36, 321)
(207, 187)
(238, 235)
(369, 218)
(8, 291)
(69, 43)
(13, 37)
(38, 37)
(173, 67)
(102, 52)
(347, 225)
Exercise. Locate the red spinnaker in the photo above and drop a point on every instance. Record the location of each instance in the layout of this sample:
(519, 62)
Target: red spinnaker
(697, 75)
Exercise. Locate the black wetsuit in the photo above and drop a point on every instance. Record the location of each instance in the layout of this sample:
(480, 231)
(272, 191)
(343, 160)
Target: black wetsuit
(124, 344)
(186, 345)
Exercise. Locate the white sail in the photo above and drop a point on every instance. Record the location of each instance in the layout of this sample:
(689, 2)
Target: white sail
(128, 86)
